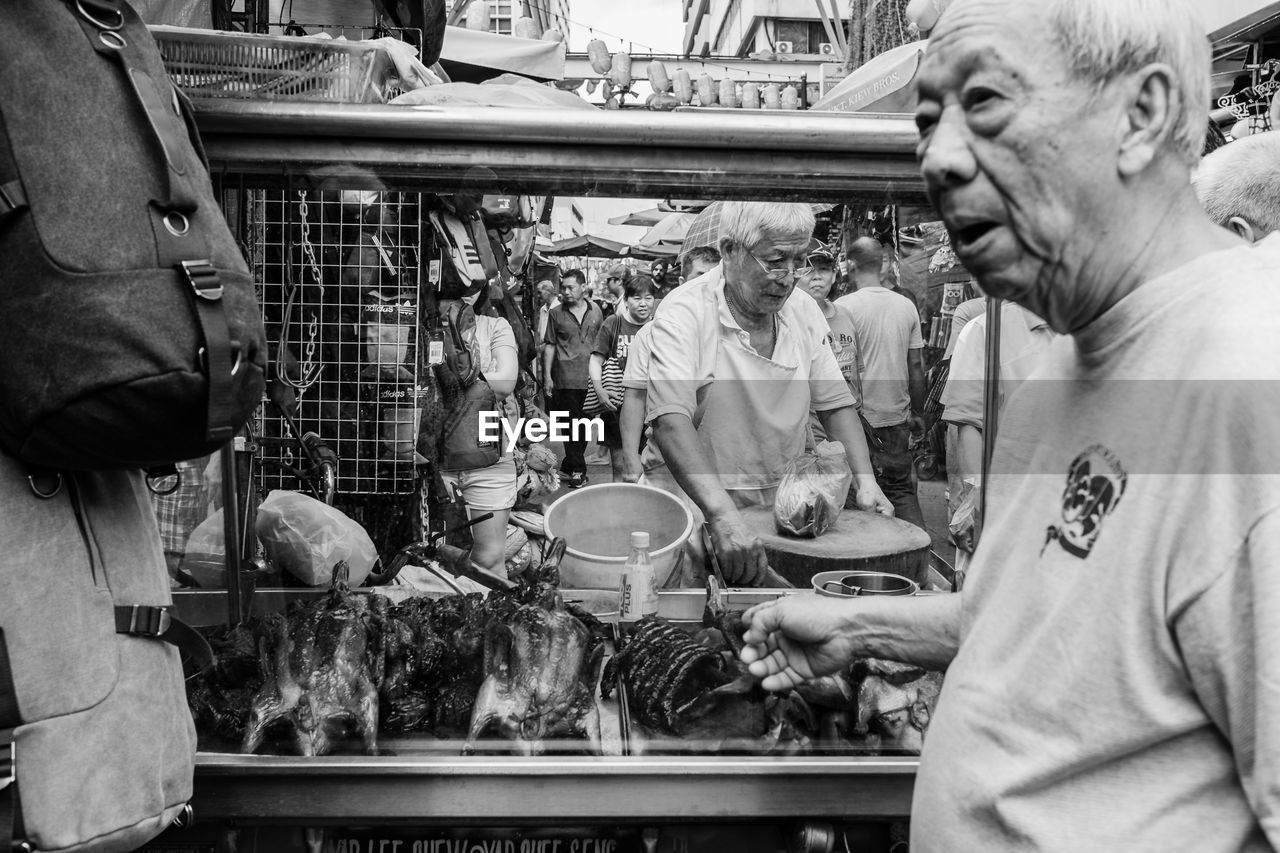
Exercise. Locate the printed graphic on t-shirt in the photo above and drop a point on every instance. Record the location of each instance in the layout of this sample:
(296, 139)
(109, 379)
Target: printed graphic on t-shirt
(622, 347)
(1095, 484)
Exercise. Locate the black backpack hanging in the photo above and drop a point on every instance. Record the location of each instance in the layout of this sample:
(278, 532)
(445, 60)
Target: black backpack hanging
(133, 336)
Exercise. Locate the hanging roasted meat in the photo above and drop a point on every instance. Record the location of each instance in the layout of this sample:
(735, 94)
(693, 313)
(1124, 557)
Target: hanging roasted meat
(321, 665)
(541, 665)
(540, 675)
(220, 696)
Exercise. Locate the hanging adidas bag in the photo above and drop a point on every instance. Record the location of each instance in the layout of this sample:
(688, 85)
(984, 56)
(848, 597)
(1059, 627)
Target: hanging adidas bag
(133, 336)
(467, 394)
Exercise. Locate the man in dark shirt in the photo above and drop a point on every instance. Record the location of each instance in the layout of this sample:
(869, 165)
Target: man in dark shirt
(571, 332)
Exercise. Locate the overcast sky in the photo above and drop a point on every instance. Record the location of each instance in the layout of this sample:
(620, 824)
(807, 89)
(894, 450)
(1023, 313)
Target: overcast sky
(655, 23)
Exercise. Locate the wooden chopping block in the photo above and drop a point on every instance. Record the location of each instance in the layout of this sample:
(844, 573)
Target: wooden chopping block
(862, 541)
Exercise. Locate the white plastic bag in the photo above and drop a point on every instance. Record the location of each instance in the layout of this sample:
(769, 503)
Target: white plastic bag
(306, 537)
(205, 558)
(813, 491)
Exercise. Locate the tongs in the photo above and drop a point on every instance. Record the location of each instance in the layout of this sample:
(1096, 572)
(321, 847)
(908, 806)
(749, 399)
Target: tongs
(772, 580)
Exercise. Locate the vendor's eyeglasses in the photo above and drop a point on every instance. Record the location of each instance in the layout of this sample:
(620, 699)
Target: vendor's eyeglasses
(777, 273)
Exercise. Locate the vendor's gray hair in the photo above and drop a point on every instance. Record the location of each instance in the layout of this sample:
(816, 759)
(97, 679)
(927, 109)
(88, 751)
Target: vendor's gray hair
(1108, 38)
(1242, 178)
(745, 223)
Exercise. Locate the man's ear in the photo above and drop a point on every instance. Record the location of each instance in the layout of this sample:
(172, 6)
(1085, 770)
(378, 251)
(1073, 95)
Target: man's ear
(1153, 104)
(1243, 227)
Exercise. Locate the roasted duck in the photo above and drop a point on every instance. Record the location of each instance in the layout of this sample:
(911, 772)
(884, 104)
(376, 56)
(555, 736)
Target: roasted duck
(895, 703)
(321, 666)
(540, 675)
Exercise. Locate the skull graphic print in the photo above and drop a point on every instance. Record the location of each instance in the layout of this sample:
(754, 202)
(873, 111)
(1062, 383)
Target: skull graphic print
(1095, 484)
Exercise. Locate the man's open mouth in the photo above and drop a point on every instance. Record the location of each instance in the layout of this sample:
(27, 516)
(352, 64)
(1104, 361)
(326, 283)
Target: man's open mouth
(973, 232)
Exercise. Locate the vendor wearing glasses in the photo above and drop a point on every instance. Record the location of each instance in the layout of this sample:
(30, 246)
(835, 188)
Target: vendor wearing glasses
(739, 358)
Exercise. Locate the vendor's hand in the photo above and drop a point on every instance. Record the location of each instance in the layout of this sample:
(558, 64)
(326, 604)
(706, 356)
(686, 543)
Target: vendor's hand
(791, 640)
(741, 556)
(868, 497)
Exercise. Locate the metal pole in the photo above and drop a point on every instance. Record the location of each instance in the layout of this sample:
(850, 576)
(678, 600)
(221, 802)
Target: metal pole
(990, 399)
(231, 531)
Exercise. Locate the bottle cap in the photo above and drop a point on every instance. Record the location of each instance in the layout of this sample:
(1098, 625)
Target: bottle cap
(640, 539)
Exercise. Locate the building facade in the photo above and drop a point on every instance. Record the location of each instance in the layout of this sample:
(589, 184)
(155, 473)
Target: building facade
(751, 27)
(502, 13)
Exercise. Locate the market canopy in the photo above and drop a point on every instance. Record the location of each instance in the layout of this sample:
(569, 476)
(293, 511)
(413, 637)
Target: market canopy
(670, 231)
(653, 253)
(470, 56)
(886, 84)
(586, 246)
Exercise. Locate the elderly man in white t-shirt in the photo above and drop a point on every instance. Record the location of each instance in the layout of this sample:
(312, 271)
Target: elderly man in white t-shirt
(739, 358)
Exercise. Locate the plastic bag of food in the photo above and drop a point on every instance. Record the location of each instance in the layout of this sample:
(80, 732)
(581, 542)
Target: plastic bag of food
(205, 557)
(966, 520)
(306, 537)
(813, 490)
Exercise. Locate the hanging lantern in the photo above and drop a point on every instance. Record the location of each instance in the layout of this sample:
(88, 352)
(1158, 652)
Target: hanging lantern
(478, 16)
(599, 56)
(790, 98)
(683, 86)
(658, 79)
(620, 70)
(552, 35)
(728, 93)
(526, 28)
(750, 96)
(773, 97)
(706, 91)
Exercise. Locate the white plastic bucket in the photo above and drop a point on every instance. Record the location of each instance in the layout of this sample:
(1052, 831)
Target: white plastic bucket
(596, 523)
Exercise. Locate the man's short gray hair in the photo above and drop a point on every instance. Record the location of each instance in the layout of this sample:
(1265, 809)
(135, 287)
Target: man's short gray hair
(745, 223)
(1107, 38)
(1242, 178)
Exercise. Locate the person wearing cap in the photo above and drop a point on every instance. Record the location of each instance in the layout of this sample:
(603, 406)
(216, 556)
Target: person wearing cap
(739, 358)
(842, 337)
(615, 279)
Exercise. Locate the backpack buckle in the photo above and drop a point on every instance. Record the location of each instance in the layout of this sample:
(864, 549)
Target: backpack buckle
(143, 619)
(203, 278)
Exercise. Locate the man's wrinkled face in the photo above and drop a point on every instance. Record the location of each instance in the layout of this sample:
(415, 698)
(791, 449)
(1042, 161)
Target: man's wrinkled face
(745, 267)
(1016, 154)
(570, 290)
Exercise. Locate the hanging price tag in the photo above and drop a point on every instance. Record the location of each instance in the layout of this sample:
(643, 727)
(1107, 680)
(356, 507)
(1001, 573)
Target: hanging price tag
(435, 348)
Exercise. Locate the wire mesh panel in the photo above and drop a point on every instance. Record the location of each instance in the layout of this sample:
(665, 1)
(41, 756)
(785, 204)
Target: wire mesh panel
(340, 294)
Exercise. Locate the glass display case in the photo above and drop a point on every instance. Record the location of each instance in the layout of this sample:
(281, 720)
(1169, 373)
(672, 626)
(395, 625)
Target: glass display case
(304, 184)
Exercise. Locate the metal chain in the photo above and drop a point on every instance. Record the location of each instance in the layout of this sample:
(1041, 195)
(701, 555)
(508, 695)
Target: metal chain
(308, 365)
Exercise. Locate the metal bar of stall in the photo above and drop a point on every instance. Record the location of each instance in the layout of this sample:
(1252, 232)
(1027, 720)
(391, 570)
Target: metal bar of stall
(990, 401)
(231, 531)
(827, 132)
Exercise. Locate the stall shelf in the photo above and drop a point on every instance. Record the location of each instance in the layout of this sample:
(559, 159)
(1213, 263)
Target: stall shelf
(790, 156)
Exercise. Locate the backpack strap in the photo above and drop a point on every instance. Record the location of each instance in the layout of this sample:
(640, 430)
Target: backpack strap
(10, 820)
(117, 34)
(145, 620)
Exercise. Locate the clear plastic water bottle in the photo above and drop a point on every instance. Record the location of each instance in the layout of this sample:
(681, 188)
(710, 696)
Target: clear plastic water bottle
(638, 593)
